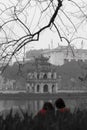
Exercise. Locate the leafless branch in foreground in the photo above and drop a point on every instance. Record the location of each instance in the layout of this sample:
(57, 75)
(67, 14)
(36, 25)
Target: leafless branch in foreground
(22, 22)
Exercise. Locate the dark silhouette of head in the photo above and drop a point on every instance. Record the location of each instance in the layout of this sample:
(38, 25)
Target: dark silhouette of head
(48, 106)
(59, 103)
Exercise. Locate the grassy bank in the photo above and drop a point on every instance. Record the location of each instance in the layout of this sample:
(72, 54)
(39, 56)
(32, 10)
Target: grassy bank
(26, 121)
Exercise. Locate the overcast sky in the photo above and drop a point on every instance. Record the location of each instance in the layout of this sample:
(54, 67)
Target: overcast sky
(48, 38)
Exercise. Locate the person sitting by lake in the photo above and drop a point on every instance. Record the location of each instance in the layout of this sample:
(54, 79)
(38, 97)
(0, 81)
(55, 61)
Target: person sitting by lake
(46, 108)
(41, 119)
(60, 105)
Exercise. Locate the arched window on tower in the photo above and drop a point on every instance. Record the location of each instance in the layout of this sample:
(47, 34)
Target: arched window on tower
(45, 76)
(52, 76)
(38, 88)
(38, 76)
(45, 88)
(53, 88)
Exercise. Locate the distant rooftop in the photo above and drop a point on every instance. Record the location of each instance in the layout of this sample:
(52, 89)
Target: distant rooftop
(35, 53)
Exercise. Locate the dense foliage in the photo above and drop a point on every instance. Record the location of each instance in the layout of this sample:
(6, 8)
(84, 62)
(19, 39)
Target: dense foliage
(62, 121)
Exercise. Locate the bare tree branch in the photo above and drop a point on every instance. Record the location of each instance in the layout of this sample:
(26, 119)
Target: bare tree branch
(22, 22)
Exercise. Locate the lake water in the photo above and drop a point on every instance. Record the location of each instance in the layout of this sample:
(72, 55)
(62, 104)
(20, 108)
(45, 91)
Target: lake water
(33, 106)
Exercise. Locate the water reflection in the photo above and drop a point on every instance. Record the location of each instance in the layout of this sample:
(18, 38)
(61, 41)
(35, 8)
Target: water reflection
(33, 106)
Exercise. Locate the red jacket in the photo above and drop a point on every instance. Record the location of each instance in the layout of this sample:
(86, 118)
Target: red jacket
(64, 109)
(42, 112)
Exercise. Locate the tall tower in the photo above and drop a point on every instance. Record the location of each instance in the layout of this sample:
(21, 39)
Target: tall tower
(43, 79)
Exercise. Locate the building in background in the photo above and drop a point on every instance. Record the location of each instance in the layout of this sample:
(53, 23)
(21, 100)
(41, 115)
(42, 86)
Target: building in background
(43, 77)
(43, 71)
(59, 55)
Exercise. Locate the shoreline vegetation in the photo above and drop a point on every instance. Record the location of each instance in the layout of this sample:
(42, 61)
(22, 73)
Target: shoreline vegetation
(26, 121)
(39, 96)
